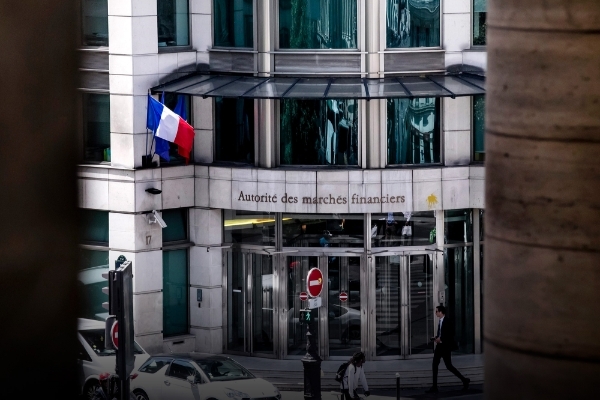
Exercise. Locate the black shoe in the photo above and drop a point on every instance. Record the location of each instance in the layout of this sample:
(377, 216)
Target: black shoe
(466, 384)
(433, 389)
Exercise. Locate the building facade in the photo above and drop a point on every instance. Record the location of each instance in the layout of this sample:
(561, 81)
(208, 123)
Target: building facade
(344, 135)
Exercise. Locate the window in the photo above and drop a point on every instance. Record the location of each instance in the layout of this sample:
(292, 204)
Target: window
(317, 24)
(173, 23)
(94, 22)
(233, 23)
(403, 229)
(95, 339)
(249, 227)
(181, 105)
(323, 230)
(413, 131)
(234, 130)
(96, 127)
(479, 22)
(175, 273)
(154, 364)
(175, 292)
(319, 132)
(458, 226)
(413, 23)
(478, 128)
(94, 227)
(182, 369)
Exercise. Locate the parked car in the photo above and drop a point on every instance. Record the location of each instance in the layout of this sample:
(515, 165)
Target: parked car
(94, 358)
(198, 376)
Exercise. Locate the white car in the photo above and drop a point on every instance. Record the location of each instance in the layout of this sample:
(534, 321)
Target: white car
(197, 376)
(94, 358)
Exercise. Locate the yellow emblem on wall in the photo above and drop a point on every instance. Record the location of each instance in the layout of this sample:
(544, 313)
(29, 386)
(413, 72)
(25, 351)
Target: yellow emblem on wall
(431, 201)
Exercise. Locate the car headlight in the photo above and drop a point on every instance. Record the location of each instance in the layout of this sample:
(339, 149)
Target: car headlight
(236, 394)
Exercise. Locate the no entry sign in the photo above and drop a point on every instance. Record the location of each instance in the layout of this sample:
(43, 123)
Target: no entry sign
(303, 296)
(343, 296)
(314, 282)
(114, 334)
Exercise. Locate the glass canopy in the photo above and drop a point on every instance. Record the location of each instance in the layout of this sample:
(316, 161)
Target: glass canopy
(252, 87)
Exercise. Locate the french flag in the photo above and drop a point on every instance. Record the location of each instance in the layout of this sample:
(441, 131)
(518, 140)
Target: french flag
(169, 126)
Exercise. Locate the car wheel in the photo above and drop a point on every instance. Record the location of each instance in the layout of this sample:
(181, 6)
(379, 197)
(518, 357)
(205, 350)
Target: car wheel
(89, 390)
(140, 395)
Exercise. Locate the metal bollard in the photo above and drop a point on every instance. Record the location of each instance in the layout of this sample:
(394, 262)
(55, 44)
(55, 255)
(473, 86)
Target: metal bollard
(397, 385)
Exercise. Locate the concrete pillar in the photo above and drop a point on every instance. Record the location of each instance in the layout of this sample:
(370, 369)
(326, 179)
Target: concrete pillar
(266, 123)
(542, 258)
(375, 144)
(39, 230)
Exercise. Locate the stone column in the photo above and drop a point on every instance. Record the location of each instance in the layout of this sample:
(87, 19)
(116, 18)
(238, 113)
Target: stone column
(267, 128)
(542, 274)
(375, 144)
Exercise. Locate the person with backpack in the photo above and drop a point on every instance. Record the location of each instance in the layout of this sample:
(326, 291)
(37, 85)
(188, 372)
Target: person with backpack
(350, 374)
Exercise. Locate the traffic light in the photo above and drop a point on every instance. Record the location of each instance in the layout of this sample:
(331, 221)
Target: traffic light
(306, 317)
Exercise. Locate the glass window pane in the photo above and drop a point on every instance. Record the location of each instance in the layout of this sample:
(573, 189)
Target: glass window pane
(458, 267)
(403, 229)
(458, 226)
(96, 127)
(317, 24)
(94, 21)
(262, 302)
(479, 22)
(173, 23)
(234, 23)
(323, 230)
(175, 292)
(413, 23)
(479, 128)
(297, 270)
(319, 132)
(92, 264)
(236, 301)
(234, 130)
(413, 127)
(176, 229)
(249, 227)
(94, 227)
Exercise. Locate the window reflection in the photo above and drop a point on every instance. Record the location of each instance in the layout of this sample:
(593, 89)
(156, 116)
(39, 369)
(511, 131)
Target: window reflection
(413, 131)
(403, 229)
(479, 22)
(413, 23)
(234, 130)
(478, 128)
(233, 22)
(319, 132)
(95, 22)
(323, 230)
(249, 227)
(96, 127)
(317, 24)
(173, 23)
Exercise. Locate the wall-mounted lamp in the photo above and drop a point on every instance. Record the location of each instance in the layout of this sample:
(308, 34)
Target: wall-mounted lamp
(154, 191)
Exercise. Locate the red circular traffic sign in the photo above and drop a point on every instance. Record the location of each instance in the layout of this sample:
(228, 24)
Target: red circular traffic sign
(343, 296)
(303, 296)
(114, 334)
(314, 282)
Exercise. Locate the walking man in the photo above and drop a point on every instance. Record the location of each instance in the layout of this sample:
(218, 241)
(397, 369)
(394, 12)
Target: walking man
(445, 343)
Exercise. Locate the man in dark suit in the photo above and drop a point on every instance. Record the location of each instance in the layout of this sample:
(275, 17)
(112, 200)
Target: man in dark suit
(445, 343)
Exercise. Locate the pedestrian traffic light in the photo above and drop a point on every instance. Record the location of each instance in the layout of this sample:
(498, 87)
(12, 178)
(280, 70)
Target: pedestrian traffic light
(306, 317)
(110, 290)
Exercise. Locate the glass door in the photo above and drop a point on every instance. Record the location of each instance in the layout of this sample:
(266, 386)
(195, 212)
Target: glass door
(404, 305)
(250, 306)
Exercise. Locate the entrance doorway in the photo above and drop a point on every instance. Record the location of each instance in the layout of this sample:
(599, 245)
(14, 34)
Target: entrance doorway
(250, 322)
(404, 305)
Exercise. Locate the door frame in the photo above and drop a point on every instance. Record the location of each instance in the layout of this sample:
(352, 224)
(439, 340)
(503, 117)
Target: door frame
(404, 300)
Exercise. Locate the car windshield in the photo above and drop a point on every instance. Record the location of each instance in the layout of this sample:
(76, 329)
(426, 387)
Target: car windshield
(95, 338)
(223, 370)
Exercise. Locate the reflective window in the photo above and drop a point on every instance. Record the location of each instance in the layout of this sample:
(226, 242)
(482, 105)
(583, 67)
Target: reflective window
(458, 267)
(173, 23)
(458, 226)
(92, 264)
(219, 369)
(319, 132)
(413, 23)
(317, 24)
(154, 364)
(94, 227)
(413, 130)
(94, 22)
(182, 369)
(234, 130)
(403, 229)
(479, 22)
(96, 127)
(233, 23)
(478, 128)
(176, 229)
(249, 227)
(175, 292)
(323, 230)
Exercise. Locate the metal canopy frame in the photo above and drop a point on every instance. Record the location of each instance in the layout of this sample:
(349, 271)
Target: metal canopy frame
(321, 88)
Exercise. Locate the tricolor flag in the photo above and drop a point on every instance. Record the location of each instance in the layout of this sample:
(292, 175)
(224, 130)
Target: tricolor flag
(169, 126)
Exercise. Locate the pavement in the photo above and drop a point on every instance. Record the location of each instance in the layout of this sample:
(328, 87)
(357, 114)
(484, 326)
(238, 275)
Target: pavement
(415, 377)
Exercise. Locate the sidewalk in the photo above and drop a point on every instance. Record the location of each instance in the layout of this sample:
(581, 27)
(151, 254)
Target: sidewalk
(475, 392)
(287, 375)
